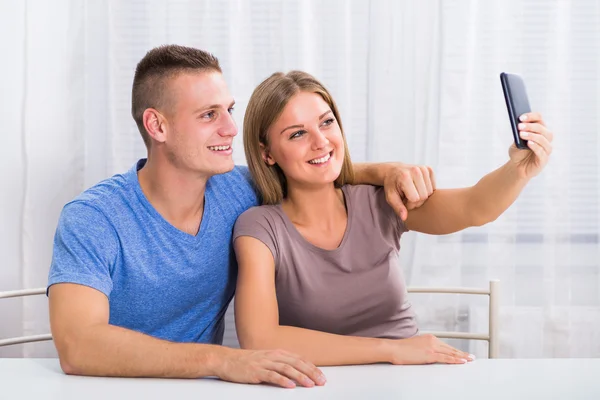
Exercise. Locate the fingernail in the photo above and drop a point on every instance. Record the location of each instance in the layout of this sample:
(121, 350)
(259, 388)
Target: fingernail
(472, 357)
(322, 379)
(521, 126)
(523, 117)
(308, 382)
(463, 361)
(524, 134)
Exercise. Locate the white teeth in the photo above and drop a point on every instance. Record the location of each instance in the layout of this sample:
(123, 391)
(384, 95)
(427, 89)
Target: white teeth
(321, 160)
(219, 148)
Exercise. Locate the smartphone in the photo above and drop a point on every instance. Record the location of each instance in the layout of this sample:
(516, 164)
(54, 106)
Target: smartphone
(517, 103)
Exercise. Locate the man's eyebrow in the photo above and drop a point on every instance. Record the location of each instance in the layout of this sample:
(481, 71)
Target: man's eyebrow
(213, 106)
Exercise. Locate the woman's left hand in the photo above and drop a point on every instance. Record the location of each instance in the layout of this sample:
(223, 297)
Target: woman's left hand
(539, 139)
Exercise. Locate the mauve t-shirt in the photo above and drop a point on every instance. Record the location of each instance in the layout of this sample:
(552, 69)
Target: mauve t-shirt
(357, 289)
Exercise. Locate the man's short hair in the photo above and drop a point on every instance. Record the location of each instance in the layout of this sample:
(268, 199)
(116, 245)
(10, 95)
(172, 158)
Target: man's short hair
(154, 71)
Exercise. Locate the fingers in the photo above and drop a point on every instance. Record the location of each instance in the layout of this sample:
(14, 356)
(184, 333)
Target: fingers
(427, 179)
(538, 139)
(408, 187)
(412, 206)
(532, 117)
(431, 177)
(447, 353)
(539, 151)
(393, 198)
(414, 184)
(538, 136)
(274, 378)
(292, 373)
(537, 128)
(419, 182)
(454, 352)
(306, 368)
(447, 359)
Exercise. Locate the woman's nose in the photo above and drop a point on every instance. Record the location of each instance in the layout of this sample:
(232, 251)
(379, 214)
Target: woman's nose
(319, 140)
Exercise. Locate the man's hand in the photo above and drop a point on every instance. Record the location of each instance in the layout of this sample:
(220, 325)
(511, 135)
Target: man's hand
(276, 367)
(407, 187)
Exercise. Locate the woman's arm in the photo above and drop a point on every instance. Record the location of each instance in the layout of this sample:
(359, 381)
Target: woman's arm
(257, 323)
(452, 210)
(257, 316)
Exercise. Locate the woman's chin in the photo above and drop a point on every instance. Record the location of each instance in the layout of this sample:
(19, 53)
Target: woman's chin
(323, 180)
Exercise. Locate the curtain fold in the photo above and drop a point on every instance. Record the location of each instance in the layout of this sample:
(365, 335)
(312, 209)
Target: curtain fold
(415, 82)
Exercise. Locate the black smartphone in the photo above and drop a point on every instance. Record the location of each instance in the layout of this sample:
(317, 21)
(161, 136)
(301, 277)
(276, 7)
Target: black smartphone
(517, 103)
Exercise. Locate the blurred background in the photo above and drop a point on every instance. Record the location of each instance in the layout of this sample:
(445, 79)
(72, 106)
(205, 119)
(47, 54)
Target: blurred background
(415, 81)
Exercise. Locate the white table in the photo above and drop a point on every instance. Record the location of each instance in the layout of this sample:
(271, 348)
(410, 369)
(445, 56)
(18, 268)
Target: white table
(483, 379)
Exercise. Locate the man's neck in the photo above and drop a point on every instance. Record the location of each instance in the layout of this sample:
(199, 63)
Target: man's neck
(177, 195)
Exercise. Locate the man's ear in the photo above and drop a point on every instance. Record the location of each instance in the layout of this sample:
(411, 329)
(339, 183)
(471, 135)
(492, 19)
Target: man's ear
(266, 155)
(155, 124)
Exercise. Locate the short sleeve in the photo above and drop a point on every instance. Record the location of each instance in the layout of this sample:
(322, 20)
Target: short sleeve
(85, 248)
(388, 212)
(258, 222)
(246, 176)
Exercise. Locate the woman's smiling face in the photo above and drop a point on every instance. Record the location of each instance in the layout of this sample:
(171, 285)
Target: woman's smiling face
(306, 141)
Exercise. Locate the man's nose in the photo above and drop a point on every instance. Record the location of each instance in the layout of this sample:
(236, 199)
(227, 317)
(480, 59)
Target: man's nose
(228, 127)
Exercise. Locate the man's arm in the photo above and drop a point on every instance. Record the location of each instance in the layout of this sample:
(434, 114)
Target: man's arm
(88, 345)
(85, 249)
(406, 186)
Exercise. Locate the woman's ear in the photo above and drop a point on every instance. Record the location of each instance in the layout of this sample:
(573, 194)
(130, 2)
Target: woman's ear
(266, 155)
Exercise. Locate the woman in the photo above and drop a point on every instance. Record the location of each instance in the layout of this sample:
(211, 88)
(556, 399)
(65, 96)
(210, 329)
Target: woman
(318, 261)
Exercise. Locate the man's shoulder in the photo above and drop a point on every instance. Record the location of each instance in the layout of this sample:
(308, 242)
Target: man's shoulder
(239, 174)
(104, 197)
(235, 186)
(105, 189)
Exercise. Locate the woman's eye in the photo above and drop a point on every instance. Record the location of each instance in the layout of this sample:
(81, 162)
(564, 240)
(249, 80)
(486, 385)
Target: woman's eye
(328, 122)
(297, 134)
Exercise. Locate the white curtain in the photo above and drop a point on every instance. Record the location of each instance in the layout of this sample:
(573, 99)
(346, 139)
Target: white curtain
(415, 81)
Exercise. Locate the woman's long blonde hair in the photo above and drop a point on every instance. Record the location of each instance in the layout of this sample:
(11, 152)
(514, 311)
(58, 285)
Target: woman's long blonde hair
(266, 104)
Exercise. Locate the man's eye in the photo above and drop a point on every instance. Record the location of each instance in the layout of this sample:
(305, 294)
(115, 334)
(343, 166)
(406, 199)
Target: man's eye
(230, 110)
(208, 115)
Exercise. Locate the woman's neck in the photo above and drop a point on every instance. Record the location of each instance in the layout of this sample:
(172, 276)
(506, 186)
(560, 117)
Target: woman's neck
(320, 207)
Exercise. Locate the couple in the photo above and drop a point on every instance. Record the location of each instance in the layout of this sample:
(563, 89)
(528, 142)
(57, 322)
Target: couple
(143, 267)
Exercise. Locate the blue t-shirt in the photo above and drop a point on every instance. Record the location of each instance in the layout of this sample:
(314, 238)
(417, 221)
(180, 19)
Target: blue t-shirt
(158, 280)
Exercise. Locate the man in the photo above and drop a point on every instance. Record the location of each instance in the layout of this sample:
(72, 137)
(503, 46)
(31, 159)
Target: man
(143, 269)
